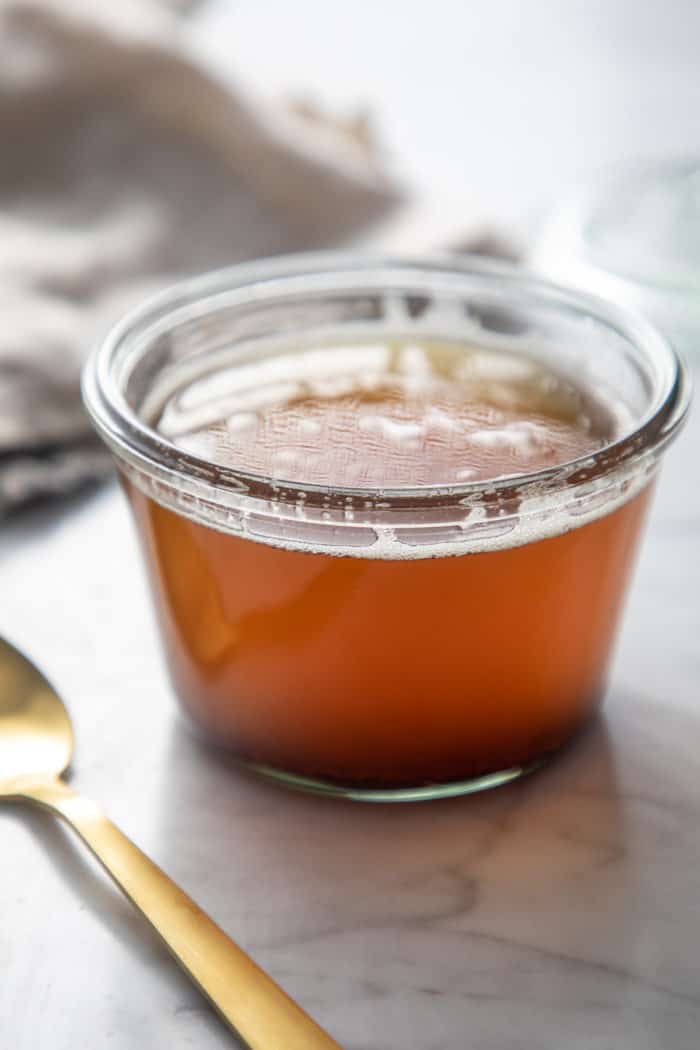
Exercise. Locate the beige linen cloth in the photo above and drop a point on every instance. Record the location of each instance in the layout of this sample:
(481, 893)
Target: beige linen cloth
(125, 164)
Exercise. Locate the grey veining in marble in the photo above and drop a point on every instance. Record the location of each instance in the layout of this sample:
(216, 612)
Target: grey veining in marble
(561, 911)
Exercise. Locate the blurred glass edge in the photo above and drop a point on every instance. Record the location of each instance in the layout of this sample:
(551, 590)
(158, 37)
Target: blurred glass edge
(633, 236)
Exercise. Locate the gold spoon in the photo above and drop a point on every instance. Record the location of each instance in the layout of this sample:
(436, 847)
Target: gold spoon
(36, 742)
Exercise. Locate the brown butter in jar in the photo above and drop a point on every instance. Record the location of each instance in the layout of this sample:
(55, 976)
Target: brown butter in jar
(389, 553)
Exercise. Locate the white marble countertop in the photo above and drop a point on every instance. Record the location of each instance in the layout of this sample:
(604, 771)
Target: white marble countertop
(561, 913)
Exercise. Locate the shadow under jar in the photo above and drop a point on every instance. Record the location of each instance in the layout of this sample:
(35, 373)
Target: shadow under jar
(372, 623)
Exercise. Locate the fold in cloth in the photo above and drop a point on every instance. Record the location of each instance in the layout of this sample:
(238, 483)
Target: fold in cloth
(125, 164)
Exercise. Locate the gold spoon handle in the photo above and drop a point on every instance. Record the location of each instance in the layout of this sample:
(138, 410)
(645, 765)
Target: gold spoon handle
(261, 1014)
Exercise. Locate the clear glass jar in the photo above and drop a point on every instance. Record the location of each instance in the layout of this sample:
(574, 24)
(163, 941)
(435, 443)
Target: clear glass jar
(397, 643)
(634, 237)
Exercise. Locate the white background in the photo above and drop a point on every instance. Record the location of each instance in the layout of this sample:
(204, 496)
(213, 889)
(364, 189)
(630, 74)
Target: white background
(500, 103)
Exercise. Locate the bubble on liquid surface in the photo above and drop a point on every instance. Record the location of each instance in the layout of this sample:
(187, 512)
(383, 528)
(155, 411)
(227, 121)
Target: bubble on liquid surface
(403, 415)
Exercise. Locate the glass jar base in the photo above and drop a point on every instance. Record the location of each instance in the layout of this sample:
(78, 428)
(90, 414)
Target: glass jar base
(419, 793)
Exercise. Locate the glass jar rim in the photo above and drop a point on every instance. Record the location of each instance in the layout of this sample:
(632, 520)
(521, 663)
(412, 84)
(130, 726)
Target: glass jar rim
(144, 447)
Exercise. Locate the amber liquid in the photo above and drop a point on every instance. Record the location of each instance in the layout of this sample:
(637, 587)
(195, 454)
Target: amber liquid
(389, 672)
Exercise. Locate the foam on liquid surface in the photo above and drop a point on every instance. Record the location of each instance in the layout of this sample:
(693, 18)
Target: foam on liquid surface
(390, 415)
